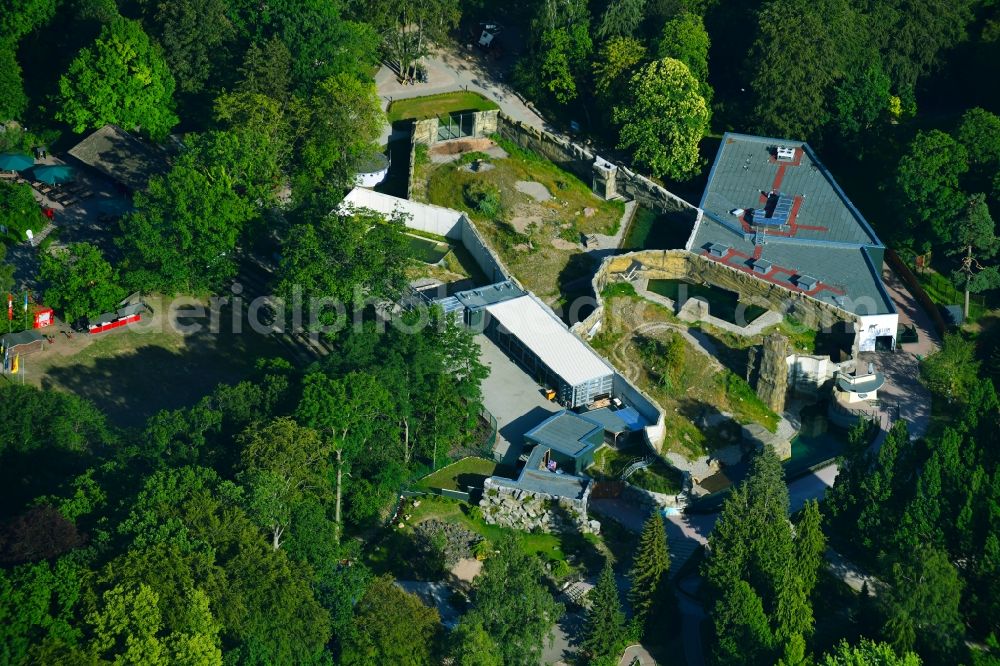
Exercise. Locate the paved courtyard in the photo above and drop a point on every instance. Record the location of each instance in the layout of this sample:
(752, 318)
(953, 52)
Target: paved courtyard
(514, 399)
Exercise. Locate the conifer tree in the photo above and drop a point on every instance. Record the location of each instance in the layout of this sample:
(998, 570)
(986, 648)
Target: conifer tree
(605, 629)
(649, 569)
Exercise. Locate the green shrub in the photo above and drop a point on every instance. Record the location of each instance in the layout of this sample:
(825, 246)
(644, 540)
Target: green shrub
(618, 289)
(421, 155)
(485, 198)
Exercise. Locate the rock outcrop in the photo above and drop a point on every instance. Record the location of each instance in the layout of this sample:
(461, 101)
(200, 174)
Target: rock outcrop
(530, 511)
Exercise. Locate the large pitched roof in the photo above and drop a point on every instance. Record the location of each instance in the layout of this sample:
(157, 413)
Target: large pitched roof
(121, 157)
(788, 218)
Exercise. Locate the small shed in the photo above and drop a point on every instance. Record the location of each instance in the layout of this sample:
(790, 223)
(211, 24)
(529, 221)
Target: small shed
(22, 342)
(570, 439)
(123, 316)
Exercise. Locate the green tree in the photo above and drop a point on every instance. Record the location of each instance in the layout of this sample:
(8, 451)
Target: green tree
(741, 625)
(911, 36)
(614, 64)
(19, 211)
(649, 569)
(665, 119)
(283, 463)
(13, 101)
(128, 627)
(810, 544)
(979, 132)
(393, 627)
(267, 70)
(338, 125)
(322, 43)
(928, 182)
(868, 653)
(557, 64)
(123, 79)
(19, 17)
(194, 35)
(605, 624)
(952, 371)
(473, 645)
(793, 82)
(861, 98)
(184, 230)
(81, 282)
(621, 19)
(38, 603)
(343, 257)
(753, 545)
(974, 238)
(409, 26)
(922, 606)
(513, 604)
(684, 37)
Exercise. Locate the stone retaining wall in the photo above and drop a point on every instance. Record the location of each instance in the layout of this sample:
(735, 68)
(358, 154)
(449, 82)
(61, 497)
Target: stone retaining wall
(525, 510)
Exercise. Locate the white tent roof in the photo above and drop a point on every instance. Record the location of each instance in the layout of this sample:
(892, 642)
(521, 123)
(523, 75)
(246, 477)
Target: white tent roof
(539, 330)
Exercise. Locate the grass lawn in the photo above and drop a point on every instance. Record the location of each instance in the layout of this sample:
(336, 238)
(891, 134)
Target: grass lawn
(462, 474)
(435, 106)
(943, 291)
(540, 241)
(134, 372)
(658, 477)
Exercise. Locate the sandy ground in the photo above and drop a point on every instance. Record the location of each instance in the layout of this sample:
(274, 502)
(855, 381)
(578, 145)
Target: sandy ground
(467, 569)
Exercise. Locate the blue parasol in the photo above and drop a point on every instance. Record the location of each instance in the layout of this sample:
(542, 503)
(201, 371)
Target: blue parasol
(54, 174)
(15, 161)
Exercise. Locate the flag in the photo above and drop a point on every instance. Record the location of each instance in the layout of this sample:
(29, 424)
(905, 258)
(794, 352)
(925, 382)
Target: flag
(25, 301)
(10, 306)
(14, 368)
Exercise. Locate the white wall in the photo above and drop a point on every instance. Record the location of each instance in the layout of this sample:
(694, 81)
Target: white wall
(422, 217)
(873, 326)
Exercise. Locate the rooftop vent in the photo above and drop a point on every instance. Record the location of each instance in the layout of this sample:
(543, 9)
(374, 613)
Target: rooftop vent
(806, 282)
(785, 154)
(718, 249)
(761, 266)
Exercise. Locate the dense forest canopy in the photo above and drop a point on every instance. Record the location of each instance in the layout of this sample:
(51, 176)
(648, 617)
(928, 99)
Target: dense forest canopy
(247, 527)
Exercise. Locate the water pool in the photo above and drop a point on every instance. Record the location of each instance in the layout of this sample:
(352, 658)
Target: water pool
(722, 303)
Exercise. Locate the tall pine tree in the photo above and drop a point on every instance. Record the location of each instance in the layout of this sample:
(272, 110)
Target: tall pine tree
(605, 630)
(649, 569)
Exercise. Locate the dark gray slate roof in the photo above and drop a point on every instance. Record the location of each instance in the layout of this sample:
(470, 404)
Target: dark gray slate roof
(10, 340)
(120, 156)
(480, 297)
(608, 418)
(567, 433)
(824, 235)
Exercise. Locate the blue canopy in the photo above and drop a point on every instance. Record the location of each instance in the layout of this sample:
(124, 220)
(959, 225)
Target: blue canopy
(54, 174)
(15, 161)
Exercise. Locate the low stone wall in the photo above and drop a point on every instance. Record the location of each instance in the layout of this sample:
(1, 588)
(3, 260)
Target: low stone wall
(654, 501)
(484, 123)
(649, 194)
(685, 265)
(560, 151)
(525, 510)
(425, 131)
(412, 167)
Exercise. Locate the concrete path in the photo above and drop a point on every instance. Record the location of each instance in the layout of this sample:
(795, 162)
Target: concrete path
(636, 654)
(514, 400)
(911, 313)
